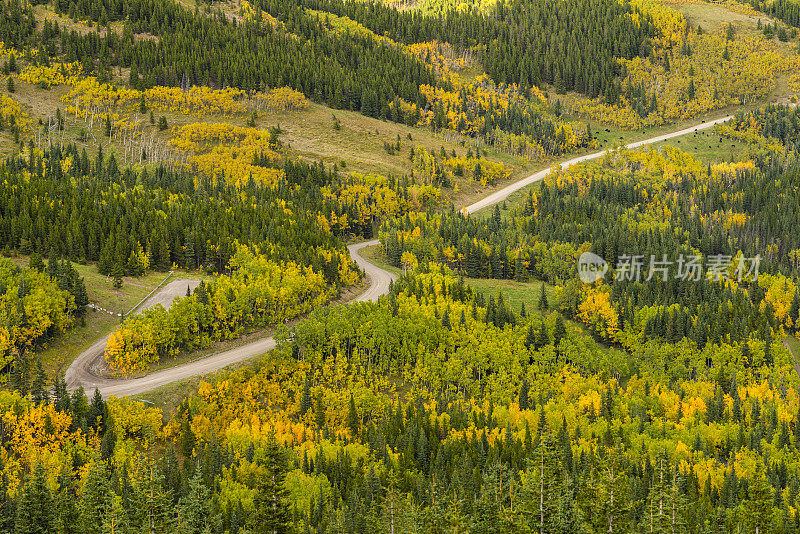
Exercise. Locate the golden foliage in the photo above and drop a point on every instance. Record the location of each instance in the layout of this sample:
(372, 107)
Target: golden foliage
(750, 73)
(220, 148)
(259, 293)
(56, 74)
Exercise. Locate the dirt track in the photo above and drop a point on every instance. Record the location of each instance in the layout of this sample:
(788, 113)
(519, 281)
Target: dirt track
(84, 369)
(502, 194)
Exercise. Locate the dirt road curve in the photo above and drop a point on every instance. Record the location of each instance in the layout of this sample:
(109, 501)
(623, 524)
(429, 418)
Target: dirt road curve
(81, 372)
(502, 194)
(379, 279)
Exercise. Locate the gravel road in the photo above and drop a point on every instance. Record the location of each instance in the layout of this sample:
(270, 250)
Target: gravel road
(84, 369)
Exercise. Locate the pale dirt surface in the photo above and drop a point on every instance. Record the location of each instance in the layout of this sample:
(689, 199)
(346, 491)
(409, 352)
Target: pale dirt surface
(85, 369)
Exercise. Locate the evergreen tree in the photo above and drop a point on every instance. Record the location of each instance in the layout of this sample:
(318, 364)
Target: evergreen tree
(116, 520)
(523, 394)
(757, 511)
(95, 498)
(559, 331)
(353, 420)
(305, 401)
(40, 394)
(153, 503)
(272, 514)
(7, 510)
(195, 506)
(35, 506)
(543, 304)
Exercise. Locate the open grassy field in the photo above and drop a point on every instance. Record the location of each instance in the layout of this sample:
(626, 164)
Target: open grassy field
(794, 345)
(715, 17)
(709, 147)
(515, 293)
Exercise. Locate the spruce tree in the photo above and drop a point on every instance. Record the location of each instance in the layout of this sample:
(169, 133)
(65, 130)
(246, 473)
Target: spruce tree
(95, 498)
(559, 331)
(35, 512)
(523, 395)
(7, 509)
(353, 420)
(195, 505)
(543, 304)
(305, 401)
(757, 511)
(116, 520)
(272, 514)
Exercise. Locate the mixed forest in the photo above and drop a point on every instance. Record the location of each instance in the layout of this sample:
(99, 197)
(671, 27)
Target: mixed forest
(157, 136)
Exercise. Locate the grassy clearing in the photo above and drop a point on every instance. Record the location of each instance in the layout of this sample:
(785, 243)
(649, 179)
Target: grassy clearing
(709, 147)
(358, 145)
(59, 353)
(714, 17)
(794, 345)
(516, 293)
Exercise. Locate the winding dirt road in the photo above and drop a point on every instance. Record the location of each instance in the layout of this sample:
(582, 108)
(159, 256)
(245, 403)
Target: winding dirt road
(502, 194)
(80, 372)
(83, 370)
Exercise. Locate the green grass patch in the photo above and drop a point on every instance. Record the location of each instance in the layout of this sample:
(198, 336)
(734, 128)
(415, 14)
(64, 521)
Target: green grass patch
(713, 17)
(794, 345)
(709, 147)
(59, 353)
(515, 293)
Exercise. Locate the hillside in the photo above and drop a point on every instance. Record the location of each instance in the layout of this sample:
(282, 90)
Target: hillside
(603, 340)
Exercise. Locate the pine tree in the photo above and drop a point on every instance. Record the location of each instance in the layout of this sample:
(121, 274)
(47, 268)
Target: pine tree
(353, 420)
(40, 394)
(95, 498)
(272, 514)
(757, 511)
(794, 311)
(97, 414)
(559, 331)
(543, 304)
(116, 520)
(538, 499)
(657, 516)
(523, 394)
(6, 504)
(153, 504)
(35, 506)
(320, 417)
(195, 506)
(613, 502)
(305, 401)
